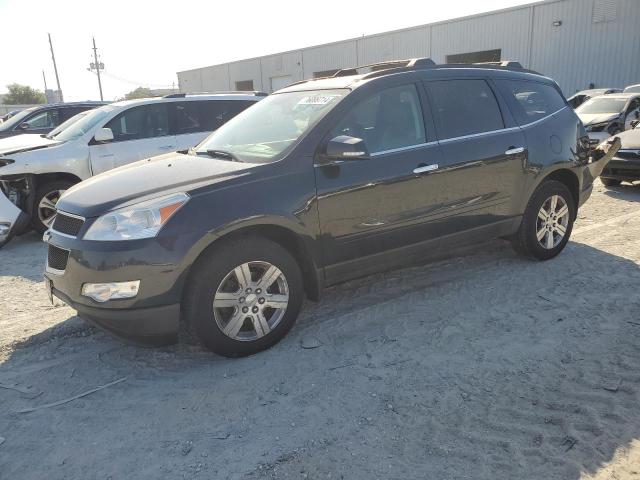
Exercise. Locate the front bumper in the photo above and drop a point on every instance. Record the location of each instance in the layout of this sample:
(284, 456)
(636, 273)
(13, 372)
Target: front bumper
(622, 169)
(152, 317)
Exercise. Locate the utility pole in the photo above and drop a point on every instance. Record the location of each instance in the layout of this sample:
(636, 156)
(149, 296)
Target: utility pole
(55, 68)
(98, 66)
(44, 77)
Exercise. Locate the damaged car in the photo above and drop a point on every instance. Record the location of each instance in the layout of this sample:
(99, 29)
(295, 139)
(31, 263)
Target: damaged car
(609, 115)
(34, 176)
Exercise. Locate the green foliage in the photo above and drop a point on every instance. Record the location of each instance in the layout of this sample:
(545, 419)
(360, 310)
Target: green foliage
(139, 92)
(23, 95)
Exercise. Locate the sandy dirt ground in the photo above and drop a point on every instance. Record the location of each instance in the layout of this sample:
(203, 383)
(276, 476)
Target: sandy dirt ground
(481, 366)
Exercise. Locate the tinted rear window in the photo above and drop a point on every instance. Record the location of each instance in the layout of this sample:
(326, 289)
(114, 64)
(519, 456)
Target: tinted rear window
(531, 101)
(206, 116)
(464, 107)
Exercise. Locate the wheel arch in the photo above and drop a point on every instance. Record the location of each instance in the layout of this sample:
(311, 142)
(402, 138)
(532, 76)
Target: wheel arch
(286, 237)
(568, 178)
(44, 178)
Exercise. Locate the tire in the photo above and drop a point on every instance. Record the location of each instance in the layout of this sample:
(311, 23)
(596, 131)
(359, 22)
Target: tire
(526, 241)
(610, 182)
(47, 190)
(214, 278)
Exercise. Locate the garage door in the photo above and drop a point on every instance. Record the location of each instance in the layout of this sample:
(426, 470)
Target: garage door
(280, 82)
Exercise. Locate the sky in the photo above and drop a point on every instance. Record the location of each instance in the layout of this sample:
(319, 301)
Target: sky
(144, 43)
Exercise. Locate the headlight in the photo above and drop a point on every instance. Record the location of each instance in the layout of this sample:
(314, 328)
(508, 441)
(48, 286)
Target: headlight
(143, 220)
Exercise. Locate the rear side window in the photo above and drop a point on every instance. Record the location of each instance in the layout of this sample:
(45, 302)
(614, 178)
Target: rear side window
(206, 116)
(464, 107)
(385, 121)
(531, 101)
(147, 121)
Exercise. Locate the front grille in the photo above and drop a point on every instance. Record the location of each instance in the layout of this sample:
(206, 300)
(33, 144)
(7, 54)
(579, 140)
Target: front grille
(67, 224)
(57, 258)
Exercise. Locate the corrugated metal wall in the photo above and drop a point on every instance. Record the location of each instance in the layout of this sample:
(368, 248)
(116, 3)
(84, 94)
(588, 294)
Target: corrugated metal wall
(597, 42)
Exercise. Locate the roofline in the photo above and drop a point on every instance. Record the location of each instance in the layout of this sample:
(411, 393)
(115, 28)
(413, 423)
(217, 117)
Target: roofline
(374, 35)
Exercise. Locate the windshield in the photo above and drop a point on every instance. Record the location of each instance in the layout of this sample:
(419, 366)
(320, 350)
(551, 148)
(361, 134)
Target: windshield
(264, 132)
(86, 123)
(66, 124)
(603, 105)
(16, 119)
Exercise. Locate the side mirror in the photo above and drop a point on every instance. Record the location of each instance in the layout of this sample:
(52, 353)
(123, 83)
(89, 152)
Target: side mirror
(23, 126)
(345, 147)
(635, 123)
(103, 135)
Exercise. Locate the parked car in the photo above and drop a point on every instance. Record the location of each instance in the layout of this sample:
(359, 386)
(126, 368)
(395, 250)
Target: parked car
(30, 141)
(43, 118)
(579, 98)
(8, 115)
(632, 89)
(321, 182)
(111, 136)
(609, 115)
(625, 165)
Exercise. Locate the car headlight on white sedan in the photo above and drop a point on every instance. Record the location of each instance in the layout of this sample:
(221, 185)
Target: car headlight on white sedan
(143, 220)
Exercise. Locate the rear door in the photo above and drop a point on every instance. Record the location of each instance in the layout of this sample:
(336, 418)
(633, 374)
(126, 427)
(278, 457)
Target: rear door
(195, 120)
(483, 155)
(138, 132)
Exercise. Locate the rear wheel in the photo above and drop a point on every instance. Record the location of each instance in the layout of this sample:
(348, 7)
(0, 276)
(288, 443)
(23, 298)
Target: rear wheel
(547, 222)
(244, 296)
(47, 197)
(610, 182)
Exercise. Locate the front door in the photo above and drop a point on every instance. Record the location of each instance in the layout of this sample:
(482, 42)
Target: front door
(376, 205)
(138, 133)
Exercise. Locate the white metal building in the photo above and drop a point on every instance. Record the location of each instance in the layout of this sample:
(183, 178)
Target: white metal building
(579, 43)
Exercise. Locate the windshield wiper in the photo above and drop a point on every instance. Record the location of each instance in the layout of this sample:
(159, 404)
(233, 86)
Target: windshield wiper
(223, 154)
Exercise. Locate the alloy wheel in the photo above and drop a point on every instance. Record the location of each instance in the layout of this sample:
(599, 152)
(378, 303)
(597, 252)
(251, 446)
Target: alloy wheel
(47, 207)
(251, 301)
(552, 222)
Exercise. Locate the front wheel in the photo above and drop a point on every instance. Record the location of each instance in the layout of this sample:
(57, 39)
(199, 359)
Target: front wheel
(47, 197)
(547, 222)
(244, 296)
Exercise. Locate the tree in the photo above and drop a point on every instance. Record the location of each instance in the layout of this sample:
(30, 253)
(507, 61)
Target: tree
(23, 95)
(139, 92)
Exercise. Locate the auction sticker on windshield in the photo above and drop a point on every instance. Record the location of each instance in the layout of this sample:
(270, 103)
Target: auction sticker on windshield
(317, 99)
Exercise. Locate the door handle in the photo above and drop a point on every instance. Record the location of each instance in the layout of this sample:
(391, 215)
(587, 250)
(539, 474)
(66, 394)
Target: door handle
(167, 147)
(514, 150)
(426, 168)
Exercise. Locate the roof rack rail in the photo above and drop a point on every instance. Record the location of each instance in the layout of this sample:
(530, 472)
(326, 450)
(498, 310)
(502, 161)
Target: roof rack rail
(412, 62)
(505, 63)
(255, 93)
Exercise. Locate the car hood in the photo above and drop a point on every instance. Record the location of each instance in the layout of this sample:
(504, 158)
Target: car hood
(147, 179)
(594, 118)
(24, 143)
(630, 139)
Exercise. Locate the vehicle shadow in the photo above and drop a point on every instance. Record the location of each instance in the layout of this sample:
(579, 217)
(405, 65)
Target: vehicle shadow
(483, 362)
(625, 191)
(24, 256)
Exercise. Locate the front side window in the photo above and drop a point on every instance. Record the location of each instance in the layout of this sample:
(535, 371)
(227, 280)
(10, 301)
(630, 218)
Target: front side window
(136, 123)
(47, 119)
(387, 120)
(533, 100)
(464, 107)
(265, 132)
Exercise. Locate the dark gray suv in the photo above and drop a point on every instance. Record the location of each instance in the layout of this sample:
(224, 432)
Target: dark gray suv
(321, 182)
